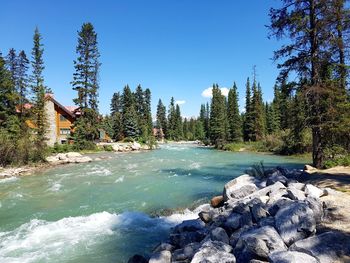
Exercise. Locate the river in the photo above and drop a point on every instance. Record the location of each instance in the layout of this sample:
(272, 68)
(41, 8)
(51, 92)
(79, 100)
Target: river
(108, 210)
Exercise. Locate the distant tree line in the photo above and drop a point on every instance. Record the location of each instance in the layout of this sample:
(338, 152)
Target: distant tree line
(131, 116)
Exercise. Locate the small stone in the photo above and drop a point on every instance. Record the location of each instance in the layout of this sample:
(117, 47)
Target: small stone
(205, 216)
(217, 201)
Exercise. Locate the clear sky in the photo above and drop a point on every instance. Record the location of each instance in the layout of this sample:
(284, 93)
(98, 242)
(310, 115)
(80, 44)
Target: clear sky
(173, 47)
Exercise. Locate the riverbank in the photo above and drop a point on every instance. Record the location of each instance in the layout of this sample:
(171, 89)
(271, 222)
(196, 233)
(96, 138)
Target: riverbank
(274, 218)
(71, 158)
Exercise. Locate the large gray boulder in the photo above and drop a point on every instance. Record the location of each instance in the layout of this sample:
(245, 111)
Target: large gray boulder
(163, 246)
(275, 206)
(295, 194)
(185, 253)
(258, 244)
(276, 177)
(189, 225)
(240, 187)
(219, 234)
(328, 247)
(291, 257)
(233, 222)
(294, 222)
(184, 238)
(317, 207)
(214, 252)
(313, 191)
(258, 212)
(161, 257)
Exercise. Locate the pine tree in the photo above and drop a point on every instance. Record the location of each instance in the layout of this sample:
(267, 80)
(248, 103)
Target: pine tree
(161, 120)
(38, 90)
(233, 115)
(217, 117)
(310, 28)
(85, 82)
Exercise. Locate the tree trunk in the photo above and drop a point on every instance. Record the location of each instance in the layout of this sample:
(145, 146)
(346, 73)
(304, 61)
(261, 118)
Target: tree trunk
(317, 151)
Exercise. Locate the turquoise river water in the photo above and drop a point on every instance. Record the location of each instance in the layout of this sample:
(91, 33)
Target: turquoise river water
(108, 210)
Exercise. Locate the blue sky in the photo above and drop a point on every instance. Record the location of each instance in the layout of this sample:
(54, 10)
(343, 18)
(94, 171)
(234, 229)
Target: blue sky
(174, 47)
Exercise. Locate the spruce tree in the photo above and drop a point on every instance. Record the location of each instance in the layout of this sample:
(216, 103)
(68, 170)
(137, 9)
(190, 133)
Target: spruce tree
(161, 120)
(147, 115)
(233, 115)
(171, 120)
(38, 90)
(178, 128)
(7, 94)
(130, 119)
(12, 66)
(258, 113)
(116, 116)
(85, 78)
(248, 124)
(85, 82)
(217, 117)
(22, 74)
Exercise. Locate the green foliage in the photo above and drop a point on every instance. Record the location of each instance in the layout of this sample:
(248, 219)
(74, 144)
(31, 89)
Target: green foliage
(108, 148)
(20, 150)
(233, 116)
(218, 117)
(128, 139)
(62, 148)
(161, 124)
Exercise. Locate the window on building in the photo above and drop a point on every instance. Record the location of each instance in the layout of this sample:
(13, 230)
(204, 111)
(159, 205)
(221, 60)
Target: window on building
(63, 118)
(64, 131)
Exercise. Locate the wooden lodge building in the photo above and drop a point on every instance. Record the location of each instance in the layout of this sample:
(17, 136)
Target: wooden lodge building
(60, 120)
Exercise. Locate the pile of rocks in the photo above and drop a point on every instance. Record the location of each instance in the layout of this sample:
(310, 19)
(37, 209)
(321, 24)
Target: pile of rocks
(10, 172)
(128, 147)
(70, 157)
(268, 220)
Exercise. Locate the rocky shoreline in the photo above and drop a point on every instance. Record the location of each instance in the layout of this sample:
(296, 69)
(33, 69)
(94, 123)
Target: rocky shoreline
(68, 158)
(274, 218)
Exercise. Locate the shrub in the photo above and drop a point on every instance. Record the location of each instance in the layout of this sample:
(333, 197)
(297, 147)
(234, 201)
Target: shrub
(108, 148)
(84, 145)
(20, 150)
(257, 170)
(336, 156)
(128, 139)
(62, 148)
